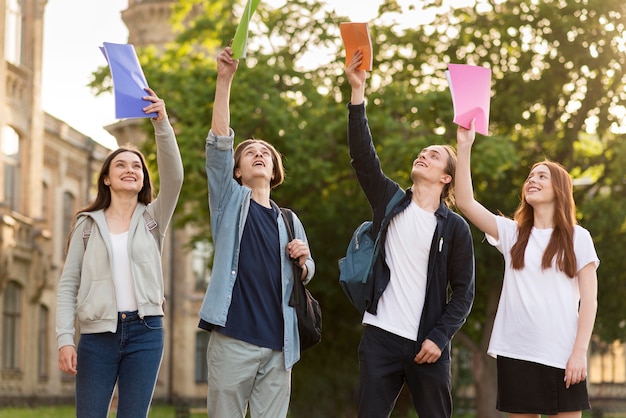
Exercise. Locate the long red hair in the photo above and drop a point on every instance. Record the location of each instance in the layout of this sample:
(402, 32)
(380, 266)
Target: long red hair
(561, 244)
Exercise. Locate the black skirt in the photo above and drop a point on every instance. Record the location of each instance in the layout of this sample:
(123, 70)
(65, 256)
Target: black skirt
(525, 387)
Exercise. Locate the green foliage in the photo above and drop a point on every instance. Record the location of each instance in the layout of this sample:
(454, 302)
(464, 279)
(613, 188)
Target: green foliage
(558, 72)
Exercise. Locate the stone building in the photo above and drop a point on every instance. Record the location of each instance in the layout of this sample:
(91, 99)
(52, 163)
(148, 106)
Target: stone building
(46, 168)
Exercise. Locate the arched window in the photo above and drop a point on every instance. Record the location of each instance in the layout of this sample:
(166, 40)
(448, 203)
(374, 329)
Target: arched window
(14, 31)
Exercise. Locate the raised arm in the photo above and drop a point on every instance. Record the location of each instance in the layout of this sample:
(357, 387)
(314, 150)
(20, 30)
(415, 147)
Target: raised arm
(226, 67)
(477, 214)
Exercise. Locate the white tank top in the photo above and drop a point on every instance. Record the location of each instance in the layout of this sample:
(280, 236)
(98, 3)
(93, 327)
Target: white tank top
(122, 277)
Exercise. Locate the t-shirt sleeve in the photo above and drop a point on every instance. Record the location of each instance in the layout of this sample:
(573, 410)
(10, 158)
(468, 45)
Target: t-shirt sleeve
(507, 230)
(584, 249)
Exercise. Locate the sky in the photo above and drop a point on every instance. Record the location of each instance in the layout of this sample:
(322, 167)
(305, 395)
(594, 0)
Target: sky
(71, 54)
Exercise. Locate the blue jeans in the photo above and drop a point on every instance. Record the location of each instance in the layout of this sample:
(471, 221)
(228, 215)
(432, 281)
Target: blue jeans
(131, 358)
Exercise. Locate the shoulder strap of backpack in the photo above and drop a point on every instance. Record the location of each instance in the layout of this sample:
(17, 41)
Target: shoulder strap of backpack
(390, 205)
(395, 199)
(288, 218)
(151, 224)
(87, 230)
(294, 299)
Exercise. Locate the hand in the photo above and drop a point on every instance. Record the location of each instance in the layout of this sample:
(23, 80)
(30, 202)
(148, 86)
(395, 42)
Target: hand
(576, 368)
(466, 137)
(67, 359)
(226, 65)
(355, 76)
(297, 249)
(157, 106)
(429, 353)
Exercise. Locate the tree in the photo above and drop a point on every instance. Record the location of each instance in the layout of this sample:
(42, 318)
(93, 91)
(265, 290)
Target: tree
(558, 81)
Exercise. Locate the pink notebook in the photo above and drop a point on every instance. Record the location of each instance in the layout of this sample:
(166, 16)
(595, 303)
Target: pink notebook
(470, 87)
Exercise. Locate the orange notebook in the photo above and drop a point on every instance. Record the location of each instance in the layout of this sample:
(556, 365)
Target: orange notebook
(356, 36)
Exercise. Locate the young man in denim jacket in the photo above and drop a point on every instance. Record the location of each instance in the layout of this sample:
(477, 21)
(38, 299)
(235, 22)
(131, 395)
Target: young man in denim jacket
(254, 332)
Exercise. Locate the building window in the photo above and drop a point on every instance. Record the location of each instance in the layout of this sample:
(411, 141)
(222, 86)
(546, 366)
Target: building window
(45, 195)
(11, 160)
(14, 31)
(11, 317)
(201, 258)
(202, 370)
(42, 343)
(69, 202)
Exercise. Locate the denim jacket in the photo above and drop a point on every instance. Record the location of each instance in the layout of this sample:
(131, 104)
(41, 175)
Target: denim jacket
(450, 278)
(229, 203)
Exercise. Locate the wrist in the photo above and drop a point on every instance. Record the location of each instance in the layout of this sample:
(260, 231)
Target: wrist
(305, 271)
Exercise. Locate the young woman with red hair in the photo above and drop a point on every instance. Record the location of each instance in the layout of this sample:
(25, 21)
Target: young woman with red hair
(548, 302)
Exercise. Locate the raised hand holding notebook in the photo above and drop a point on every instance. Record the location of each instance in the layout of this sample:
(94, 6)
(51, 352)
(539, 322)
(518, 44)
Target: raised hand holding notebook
(128, 81)
(470, 87)
(356, 36)
(240, 41)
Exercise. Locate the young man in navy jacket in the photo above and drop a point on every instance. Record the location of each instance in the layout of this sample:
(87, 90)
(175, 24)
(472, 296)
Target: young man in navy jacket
(426, 252)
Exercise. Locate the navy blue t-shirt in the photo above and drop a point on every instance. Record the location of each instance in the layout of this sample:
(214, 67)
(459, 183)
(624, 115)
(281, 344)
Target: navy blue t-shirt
(255, 313)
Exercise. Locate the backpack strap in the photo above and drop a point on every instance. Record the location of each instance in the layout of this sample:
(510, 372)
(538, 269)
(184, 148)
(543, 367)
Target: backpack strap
(153, 227)
(287, 215)
(151, 224)
(87, 230)
(395, 199)
(390, 205)
(288, 218)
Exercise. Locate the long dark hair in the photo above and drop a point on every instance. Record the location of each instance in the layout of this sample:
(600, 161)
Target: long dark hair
(561, 244)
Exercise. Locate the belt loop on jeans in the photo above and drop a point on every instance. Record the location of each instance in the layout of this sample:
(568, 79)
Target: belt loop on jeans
(128, 316)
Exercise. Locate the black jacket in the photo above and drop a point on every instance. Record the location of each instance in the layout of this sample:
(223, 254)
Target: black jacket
(450, 280)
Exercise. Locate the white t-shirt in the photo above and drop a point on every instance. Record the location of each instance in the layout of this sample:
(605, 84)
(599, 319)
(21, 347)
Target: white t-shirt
(122, 279)
(407, 249)
(537, 317)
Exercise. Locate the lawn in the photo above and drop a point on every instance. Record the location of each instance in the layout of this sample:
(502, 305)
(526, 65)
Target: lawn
(69, 412)
(158, 411)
